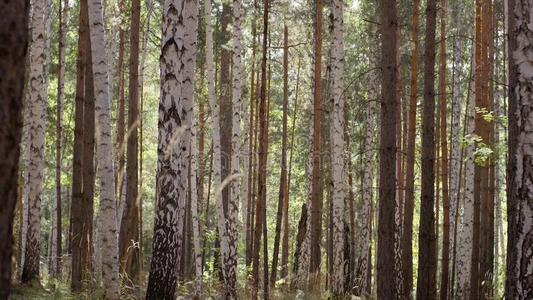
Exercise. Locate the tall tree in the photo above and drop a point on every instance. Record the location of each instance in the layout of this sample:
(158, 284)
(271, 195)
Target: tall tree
(386, 273)
(63, 19)
(408, 210)
(463, 265)
(129, 226)
(108, 211)
(38, 88)
(337, 145)
(178, 50)
(316, 197)
(83, 157)
(455, 147)
(427, 260)
(14, 30)
(520, 261)
(443, 108)
(262, 155)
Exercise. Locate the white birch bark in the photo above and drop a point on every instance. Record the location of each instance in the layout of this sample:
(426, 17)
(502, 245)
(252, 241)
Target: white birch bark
(36, 111)
(178, 64)
(337, 142)
(194, 206)
(104, 150)
(233, 205)
(367, 185)
(463, 265)
(523, 185)
(455, 146)
(217, 155)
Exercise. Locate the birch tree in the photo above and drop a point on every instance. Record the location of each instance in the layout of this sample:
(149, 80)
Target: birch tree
(178, 51)
(37, 85)
(455, 146)
(337, 142)
(465, 227)
(105, 171)
(14, 30)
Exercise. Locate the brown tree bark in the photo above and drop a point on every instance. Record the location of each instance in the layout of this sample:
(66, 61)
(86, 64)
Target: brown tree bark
(63, 17)
(427, 260)
(129, 226)
(316, 195)
(262, 155)
(83, 167)
(386, 273)
(120, 147)
(14, 30)
(407, 234)
(446, 230)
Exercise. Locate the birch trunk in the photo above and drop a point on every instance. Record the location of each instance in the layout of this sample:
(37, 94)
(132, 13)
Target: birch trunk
(178, 51)
(37, 123)
(194, 207)
(522, 191)
(337, 144)
(105, 172)
(362, 285)
(230, 262)
(466, 223)
(215, 121)
(455, 147)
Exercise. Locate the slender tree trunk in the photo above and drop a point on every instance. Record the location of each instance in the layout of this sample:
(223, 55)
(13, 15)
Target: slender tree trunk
(63, 19)
(455, 151)
(337, 145)
(14, 30)
(443, 108)
(283, 201)
(519, 284)
(120, 146)
(261, 168)
(407, 236)
(108, 212)
(77, 219)
(87, 209)
(427, 260)
(386, 273)
(129, 226)
(316, 197)
(252, 137)
(194, 207)
(37, 124)
(463, 265)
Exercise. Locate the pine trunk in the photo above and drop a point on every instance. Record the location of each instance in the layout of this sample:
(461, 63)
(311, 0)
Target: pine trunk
(14, 30)
(129, 226)
(386, 272)
(427, 260)
(519, 284)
